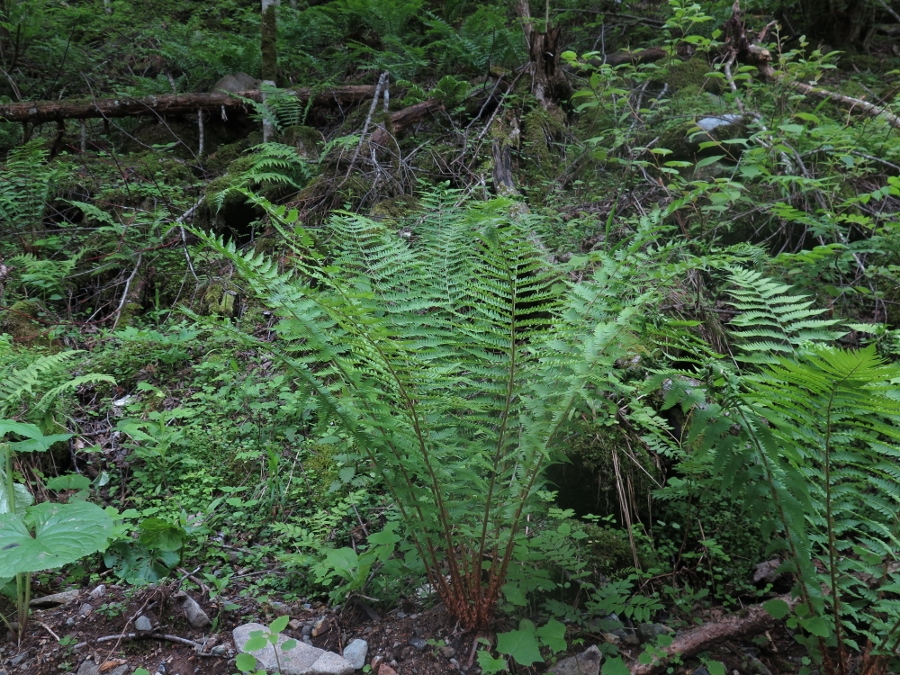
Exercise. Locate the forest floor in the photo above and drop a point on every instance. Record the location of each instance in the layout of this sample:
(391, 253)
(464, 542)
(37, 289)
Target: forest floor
(94, 633)
(100, 630)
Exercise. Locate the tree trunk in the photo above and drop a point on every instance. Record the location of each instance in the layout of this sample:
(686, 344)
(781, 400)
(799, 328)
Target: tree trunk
(549, 84)
(268, 41)
(843, 23)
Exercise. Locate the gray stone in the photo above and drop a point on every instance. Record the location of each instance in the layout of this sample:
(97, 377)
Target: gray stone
(19, 658)
(710, 123)
(85, 609)
(98, 592)
(280, 608)
(303, 659)
(586, 663)
(63, 598)
(418, 643)
(88, 668)
(143, 624)
(193, 612)
(648, 632)
(355, 653)
(235, 82)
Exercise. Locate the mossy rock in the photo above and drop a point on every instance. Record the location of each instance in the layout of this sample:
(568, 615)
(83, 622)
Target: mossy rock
(220, 298)
(221, 159)
(608, 549)
(307, 140)
(690, 76)
(541, 131)
(389, 211)
(20, 321)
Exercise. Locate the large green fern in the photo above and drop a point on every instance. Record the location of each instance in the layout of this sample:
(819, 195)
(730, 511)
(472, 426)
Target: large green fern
(454, 360)
(811, 437)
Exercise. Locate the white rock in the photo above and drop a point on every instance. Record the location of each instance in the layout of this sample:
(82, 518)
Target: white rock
(193, 612)
(63, 598)
(710, 123)
(586, 663)
(355, 653)
(303, 659)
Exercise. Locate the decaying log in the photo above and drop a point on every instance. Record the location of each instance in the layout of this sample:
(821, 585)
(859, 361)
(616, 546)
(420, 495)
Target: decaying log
(751, 621)
(746, 51)
(403, 119)
(36, 112)
(636, 58)
(742, 47)
(852, 103)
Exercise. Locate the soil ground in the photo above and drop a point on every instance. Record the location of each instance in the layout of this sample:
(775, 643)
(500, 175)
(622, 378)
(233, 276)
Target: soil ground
(61, 639)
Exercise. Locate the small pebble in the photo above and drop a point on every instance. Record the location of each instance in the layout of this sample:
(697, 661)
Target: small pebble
(143, 624)
(418, 643)
(86, 609)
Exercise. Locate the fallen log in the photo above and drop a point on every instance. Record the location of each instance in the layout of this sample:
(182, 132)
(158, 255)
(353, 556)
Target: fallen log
(403, 119)
(753, 620)
(37, 112)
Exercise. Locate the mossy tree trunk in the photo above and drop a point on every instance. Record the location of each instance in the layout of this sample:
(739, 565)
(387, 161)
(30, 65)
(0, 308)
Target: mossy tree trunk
(267, 44)
(549, 84)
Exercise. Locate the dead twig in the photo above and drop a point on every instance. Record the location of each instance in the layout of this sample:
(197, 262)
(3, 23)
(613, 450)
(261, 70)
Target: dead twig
(137, 636)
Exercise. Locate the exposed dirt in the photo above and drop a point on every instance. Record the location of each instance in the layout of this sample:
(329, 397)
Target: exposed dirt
(97, 634)
(61, 639)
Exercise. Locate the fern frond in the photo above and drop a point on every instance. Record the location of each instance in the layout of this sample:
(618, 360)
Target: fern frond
(23, 381)
(771, 319)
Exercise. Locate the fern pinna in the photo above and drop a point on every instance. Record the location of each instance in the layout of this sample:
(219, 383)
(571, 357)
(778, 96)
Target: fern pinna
(453, 359)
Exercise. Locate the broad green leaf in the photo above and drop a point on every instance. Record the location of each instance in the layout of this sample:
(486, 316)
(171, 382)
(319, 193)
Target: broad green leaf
(137, 564)
(776, 608)
(488, 664)
(245, 662)
(256, 642)
(23, 498)
(63, 533)
(71, 481)
(279, 624)
(615, 666)
(817, 625)
(553, 635)
(706, 161)
(520, 644)
(513, 594)
(39, 443)
(19, 428)
(161, 535)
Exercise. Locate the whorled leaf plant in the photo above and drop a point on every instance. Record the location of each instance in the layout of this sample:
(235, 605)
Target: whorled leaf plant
(454, 355)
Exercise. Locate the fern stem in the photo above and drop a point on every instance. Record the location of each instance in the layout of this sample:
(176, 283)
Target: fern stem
(770, 480)
(832, 550)
(501, 435)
